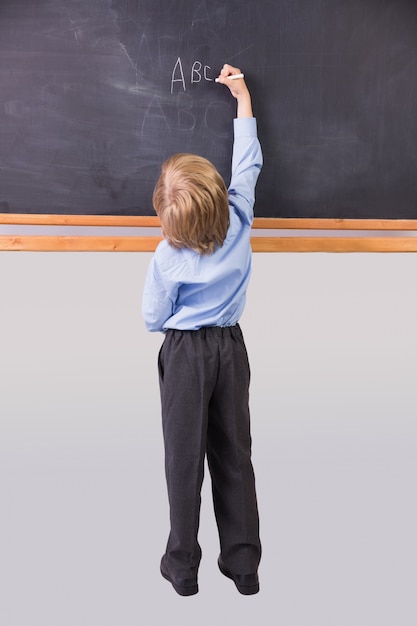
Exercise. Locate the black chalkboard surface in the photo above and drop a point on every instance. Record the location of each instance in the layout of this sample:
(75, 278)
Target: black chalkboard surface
(95, 95)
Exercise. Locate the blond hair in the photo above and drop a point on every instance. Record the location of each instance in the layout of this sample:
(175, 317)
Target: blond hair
(190, 199)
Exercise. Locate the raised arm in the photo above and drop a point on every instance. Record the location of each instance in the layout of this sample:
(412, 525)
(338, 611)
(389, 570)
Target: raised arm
(247, 154)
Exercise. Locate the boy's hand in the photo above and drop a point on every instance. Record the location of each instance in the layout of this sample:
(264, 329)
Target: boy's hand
(238, 89)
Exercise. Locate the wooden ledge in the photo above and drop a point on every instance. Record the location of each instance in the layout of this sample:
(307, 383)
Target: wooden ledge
(259, 244)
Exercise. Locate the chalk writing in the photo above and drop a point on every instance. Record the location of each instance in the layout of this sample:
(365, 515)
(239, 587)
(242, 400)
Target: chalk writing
(158, 122)
(198, 73)
(155, 118)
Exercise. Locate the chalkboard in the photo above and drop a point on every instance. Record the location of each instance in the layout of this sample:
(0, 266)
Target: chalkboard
(95, 95)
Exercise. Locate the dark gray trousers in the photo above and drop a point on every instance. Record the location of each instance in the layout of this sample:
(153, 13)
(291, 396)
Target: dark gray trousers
(204, 382)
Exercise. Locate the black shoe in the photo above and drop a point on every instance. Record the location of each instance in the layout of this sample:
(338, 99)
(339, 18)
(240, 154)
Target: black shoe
(247, 584)
(183, 586)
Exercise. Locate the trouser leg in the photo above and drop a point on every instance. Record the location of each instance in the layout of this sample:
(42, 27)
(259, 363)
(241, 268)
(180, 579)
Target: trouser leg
(185, 369)
(229, 458)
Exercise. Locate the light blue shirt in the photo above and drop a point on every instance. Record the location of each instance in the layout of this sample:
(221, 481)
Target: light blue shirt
(185, 290)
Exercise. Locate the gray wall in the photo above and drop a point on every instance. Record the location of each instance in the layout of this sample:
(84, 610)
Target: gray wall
(332, 341)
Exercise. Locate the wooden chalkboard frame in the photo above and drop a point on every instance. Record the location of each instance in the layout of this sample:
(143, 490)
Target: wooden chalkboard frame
(387, 235)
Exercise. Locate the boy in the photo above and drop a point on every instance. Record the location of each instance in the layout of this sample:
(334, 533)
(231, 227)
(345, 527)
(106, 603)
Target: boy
(195, 294)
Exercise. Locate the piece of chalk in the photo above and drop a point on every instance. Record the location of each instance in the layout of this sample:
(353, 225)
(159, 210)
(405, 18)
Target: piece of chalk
(232, 77)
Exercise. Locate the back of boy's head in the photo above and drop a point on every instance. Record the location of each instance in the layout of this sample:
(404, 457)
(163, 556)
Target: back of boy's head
(190, 199)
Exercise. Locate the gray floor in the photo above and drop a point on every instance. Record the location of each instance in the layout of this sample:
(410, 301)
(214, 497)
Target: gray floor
(334, 414)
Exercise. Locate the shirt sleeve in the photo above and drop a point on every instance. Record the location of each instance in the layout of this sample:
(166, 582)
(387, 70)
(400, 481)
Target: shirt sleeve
(246, 165)
(158, 298)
